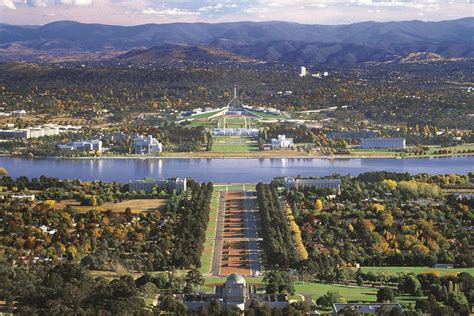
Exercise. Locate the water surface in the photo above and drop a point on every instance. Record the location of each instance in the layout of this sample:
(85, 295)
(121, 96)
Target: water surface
(226, 170)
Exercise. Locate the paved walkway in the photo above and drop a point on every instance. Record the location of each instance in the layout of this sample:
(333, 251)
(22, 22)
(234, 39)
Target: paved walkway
(236, 237)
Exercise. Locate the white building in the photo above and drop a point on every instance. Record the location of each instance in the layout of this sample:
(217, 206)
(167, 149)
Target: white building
(178, 184)
(253, 132)
(146, 145)
(28, 197)
(36, 132)
(282, 142)
(86, 145)
(303, 72)
(382, 142)
(335, 184)
(51, 130)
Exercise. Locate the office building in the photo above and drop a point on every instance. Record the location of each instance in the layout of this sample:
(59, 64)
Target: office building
(178, 184)
(382, 142)
(36, 132)
(86, 145)
(15, 134)
(147, 145)
(282, 142)
(291, 182)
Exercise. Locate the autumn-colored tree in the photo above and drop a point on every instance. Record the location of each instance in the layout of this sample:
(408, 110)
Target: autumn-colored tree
(318, 205)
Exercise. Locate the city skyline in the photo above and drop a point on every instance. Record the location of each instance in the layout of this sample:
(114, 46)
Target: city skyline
(125, 12)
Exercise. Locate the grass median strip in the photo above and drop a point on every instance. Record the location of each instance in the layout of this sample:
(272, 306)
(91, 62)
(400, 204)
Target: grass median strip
(206, 256)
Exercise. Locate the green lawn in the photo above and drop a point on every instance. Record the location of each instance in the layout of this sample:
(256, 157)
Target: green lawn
(350, 293)
(234, 144)
(416, 270)
(453, 149)
(233, 122)
(206, 256)
(356, 294)
(204, 123)
(248, 186)
(368, 152)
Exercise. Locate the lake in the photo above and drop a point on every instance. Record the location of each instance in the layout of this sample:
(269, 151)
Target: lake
(225, 170)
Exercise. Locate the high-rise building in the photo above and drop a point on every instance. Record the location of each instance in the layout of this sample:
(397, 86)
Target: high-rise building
(303, 71)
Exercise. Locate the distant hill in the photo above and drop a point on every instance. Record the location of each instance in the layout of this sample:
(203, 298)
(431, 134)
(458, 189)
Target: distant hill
(171, 53)
(272, 41)
(424, 57)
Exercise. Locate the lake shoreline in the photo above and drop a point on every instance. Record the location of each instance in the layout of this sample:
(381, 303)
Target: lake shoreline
(335, 157)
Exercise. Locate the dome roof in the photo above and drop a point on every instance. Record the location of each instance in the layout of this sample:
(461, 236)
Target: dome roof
(235, 278)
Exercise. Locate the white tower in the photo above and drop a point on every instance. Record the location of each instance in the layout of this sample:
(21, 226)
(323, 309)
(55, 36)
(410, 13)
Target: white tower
(303, 72)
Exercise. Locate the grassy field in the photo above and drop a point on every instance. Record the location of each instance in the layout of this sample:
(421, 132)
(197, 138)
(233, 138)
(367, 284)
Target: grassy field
(430, 152)
(246, 186)
(137, 206)
(234, 144)
(372, 152)
(416, 270)
(453, 149)
(315, 290)
(353, 294)
(204, 123)
(206, 256)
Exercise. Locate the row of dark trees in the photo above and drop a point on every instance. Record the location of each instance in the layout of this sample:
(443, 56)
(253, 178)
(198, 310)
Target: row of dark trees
(190, 233)
(278, 242)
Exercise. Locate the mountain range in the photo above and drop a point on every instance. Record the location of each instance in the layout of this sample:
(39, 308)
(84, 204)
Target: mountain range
(283, 42)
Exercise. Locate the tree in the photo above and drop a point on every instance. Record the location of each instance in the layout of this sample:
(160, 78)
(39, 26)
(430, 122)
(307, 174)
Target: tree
(3, 171)
(410, 284)
(458, 302)
(443, 311)
(194, 278)
(330, 298)
(318, 205)
(278, 282)
(385, 295)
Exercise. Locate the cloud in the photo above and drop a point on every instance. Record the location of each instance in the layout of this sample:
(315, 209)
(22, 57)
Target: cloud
(413, 4)
(51, 3)
(168, 12)
(7, 4)
(217, 7)
(132, 12)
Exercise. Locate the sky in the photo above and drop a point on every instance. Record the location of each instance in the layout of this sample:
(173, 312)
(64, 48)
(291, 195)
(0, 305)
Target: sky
(134, 12)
